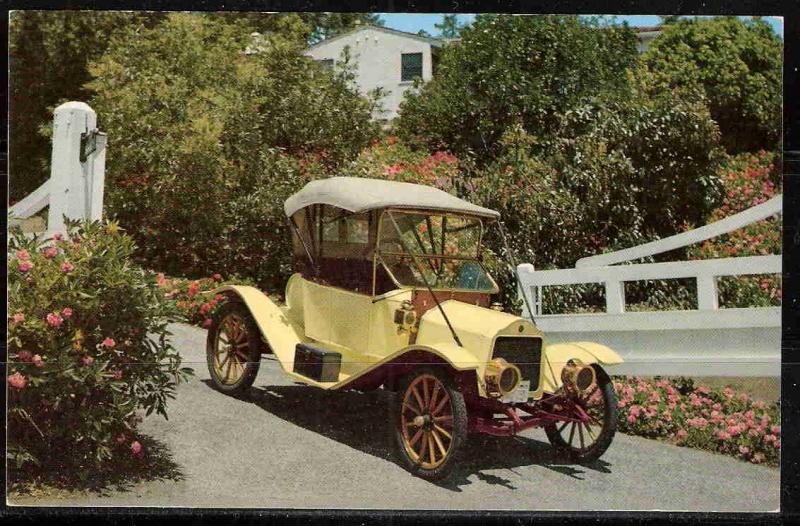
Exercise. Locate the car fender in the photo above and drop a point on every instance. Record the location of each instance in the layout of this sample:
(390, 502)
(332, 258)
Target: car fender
(394, 366)
(459, 358)
(277, 329)
(558, 354)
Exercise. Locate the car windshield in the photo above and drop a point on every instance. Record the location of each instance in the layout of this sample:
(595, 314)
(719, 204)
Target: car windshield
(446, 249)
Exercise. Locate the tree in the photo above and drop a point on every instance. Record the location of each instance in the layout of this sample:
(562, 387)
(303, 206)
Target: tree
(49, 51)
(450, 26)
(209, 141)
(511, 70)
(734, 65)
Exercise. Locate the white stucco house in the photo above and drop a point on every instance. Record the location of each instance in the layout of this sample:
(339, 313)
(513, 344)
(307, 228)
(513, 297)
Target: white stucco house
(391, 59)
(385, 58)
(645, 35)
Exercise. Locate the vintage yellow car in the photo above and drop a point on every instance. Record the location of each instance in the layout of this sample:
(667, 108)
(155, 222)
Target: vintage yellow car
(390, 292)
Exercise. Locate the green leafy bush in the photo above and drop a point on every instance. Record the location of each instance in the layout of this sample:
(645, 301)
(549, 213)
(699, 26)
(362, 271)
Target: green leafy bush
(735, 65)
(508, 70)
(88, 349)
(209, 141)
(616, 175)
(699, 417)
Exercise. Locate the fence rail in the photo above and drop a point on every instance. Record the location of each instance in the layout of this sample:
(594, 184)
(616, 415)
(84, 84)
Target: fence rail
(707, 341)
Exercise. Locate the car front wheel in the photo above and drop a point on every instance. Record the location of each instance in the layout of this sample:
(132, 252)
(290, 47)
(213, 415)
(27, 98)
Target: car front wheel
(429, 422)
(586, 442)
(233, 349)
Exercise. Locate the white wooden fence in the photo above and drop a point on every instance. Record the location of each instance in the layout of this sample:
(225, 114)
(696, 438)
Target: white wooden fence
(709, 341)
(77, 170)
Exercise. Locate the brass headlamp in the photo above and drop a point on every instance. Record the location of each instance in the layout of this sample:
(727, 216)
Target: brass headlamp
(502, 378)
(577, 376)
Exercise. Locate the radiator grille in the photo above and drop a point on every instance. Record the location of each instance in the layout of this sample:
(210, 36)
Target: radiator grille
(525, 353)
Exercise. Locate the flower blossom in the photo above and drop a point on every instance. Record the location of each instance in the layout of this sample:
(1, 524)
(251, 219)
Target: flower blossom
(87, 360)
(17, 381)
(24, 356)
(136, 448)
(54, 320)
(19, 317)
(25, 266)
(67, 267)
(37, 360)
(66, 312)
(109, 342)
(50, 252)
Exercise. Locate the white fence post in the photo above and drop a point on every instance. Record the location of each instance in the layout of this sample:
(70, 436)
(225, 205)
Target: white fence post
(72, 181)
(707, 293)
(77, 170)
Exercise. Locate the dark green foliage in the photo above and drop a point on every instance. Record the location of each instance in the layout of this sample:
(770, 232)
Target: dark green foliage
(735, 65)
(616, 175)
(514, 69)
(207, 141)
(450, 27)
(49, 51)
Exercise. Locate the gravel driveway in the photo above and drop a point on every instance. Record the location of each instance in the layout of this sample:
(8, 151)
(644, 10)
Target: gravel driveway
(290, 446)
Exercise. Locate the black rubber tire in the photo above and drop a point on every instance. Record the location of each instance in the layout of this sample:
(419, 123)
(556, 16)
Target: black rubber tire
(253, 349)
(596, 450)
(459, 429)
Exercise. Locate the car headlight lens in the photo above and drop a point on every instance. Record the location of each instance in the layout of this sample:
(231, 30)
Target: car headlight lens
(502, 378)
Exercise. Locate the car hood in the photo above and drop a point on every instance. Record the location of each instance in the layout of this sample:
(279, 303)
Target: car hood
(476, 327)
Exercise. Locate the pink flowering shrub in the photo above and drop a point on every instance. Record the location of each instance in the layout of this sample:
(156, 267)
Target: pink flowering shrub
(749, 179)
(194, 299)
(392, 159)
(699, 417)
(87, 349)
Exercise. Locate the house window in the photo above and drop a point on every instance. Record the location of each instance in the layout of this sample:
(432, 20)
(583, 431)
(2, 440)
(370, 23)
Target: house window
(411, 66)
(326, 63)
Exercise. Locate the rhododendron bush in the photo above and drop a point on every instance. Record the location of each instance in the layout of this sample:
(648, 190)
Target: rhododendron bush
(700, 417)
(195, 299)
(750, 179)
(392, 159)
(88, 351)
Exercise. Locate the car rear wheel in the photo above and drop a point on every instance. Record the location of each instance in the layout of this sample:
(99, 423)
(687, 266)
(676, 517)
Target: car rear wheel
(233, 349)
(586, 442)
(429, 420)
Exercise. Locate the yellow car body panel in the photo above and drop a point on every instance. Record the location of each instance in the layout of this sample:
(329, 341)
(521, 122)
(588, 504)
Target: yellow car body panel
(362, 329)
(558, 354)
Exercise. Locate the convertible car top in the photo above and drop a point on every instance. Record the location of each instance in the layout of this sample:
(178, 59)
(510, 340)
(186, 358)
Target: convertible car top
(358, 194)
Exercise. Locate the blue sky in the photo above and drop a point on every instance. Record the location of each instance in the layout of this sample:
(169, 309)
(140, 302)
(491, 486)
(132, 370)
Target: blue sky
(414, 22)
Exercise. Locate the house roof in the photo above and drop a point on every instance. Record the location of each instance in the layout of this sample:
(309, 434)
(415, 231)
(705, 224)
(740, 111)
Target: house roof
(359, 194)
(435, 42)
(647, 29)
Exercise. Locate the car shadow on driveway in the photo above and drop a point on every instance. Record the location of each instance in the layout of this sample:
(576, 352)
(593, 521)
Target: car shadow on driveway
(360, 420)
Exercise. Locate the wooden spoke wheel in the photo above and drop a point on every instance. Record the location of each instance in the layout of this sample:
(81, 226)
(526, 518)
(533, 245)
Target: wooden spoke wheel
(430, 422)
(233, 349)
(587, 441)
